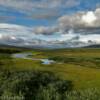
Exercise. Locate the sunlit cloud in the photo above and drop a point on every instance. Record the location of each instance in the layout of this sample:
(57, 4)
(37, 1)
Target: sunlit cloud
(81, 20)
(49, 23)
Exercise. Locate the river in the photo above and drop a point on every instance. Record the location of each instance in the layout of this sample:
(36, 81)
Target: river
(27, 56)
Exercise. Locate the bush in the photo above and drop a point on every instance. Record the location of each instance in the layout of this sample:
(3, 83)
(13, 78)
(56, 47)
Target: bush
(36, 85)
(29, 84)
(89, 94)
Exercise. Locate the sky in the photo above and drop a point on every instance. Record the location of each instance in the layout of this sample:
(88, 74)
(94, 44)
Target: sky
(50, 23)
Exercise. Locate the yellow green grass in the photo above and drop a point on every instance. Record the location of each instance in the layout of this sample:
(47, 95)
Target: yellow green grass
(82, 75)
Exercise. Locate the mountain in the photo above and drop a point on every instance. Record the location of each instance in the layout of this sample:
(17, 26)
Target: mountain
(93, 46)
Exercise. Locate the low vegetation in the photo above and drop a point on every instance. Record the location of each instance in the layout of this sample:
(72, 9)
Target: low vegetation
(28, 84)
(83, 61)
(74, 76)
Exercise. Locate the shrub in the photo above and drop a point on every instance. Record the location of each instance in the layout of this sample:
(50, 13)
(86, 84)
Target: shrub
(29, 84)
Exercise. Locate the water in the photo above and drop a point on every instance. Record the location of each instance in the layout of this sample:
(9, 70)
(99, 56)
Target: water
(47, 61)
(26, 56)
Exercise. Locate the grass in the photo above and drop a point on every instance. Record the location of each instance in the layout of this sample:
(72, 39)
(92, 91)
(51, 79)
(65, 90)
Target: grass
(82, 77)
(81, 66)
(88, 94)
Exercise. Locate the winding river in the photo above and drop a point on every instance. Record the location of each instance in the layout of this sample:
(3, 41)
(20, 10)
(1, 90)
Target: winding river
(28, 56)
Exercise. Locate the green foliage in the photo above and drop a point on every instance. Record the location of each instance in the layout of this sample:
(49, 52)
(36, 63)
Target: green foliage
(4, 59)
(17, 83)
(4, 50)
(29, 83)
(83, 61)
(89, 94)
(51, 94)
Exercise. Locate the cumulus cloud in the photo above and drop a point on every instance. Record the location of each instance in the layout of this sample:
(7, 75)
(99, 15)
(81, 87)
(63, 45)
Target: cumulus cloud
(80, 29)
(81, 22)
(7, 37)
(14, 33)
(14, 29)
(89, 19)
(25, 36)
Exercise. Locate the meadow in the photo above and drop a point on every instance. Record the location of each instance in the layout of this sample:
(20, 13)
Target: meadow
(79, 65)
(75, 75)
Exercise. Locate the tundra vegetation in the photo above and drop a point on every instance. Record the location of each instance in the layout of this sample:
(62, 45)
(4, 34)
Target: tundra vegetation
(75, 75)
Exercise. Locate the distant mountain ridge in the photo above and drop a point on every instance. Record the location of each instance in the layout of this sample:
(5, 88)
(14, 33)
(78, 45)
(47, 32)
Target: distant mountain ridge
(93, 46)
(49, 47)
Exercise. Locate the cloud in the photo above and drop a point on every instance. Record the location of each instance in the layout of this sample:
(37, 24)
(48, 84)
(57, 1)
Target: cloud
(45, 30)
(44, 37)
(17, 35)
(81, 22)
(14, 29)
(89, 19)
(71, 3)
(45, 15)
(7, 38)
(6, 18)
(79, 29)
(14, 32)
(27, 4)
(32, 7)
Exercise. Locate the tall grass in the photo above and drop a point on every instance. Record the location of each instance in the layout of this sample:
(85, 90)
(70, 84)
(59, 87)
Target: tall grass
(51, 94)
